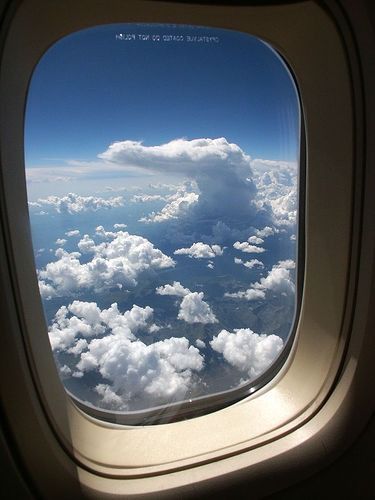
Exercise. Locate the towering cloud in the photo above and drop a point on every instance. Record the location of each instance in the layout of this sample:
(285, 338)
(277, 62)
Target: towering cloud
(220, 169)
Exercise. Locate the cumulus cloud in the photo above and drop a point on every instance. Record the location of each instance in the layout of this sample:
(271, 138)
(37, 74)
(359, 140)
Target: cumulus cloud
(163, 186)
(144, 198)
(178, 205)
(115, 262)
(247, 248)
(60, 241)
(73, 203)
(250, 352)
(249, 294)
(200, 344)
(193, 309)
(221, 170)
(46, 290)
(250, 264)
(255, 240)
(85, 319)
(120, 226)
(65, 371)
(176, 289)
(276, 183)
(265, 232)
(200, 250)
(278, 280)
(74, 232)
(136, 371)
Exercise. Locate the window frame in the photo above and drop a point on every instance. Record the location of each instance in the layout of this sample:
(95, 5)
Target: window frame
(290, 415)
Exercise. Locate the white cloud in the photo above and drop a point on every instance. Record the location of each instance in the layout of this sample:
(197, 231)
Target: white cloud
(120, 226)
(163, 186)
(249, 352)
(287, 264)
(193, 309)
(200, 344)
(86, 244)
(265, 232)
(73, 203)
(178, 205)
(200, 250)
(154, 328)
(85, 319)
(250, 264)
(176, 289)
(221, 170)
(80, 346)
(255, 240)
(276, 183)
(143, 198)
(116, 262)
(278, 280)
(65, 371)
(60, 241)
(247, 248)
(178, 155)
(46, 291)
(135, 370)
(74, 232)
(250, 294)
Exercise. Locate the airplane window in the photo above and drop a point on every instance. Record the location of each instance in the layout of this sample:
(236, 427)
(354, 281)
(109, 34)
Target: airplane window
(162, 167)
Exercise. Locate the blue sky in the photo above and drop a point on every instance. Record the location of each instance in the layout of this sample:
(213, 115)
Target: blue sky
(90, 90)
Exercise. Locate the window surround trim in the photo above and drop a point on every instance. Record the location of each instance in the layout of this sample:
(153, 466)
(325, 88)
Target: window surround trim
(77, 432)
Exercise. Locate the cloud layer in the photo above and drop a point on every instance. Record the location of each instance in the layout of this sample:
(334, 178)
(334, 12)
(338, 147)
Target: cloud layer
(73, 203)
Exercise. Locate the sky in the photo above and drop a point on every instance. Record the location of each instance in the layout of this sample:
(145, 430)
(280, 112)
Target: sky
(91, 89)
(162, 176)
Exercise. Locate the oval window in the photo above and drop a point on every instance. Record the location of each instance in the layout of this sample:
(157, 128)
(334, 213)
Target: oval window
(162, 169)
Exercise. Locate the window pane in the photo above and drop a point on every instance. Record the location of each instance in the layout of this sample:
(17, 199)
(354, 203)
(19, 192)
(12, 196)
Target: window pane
(162, 170)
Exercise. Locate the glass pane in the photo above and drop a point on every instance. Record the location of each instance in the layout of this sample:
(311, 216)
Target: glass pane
(162, 171)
